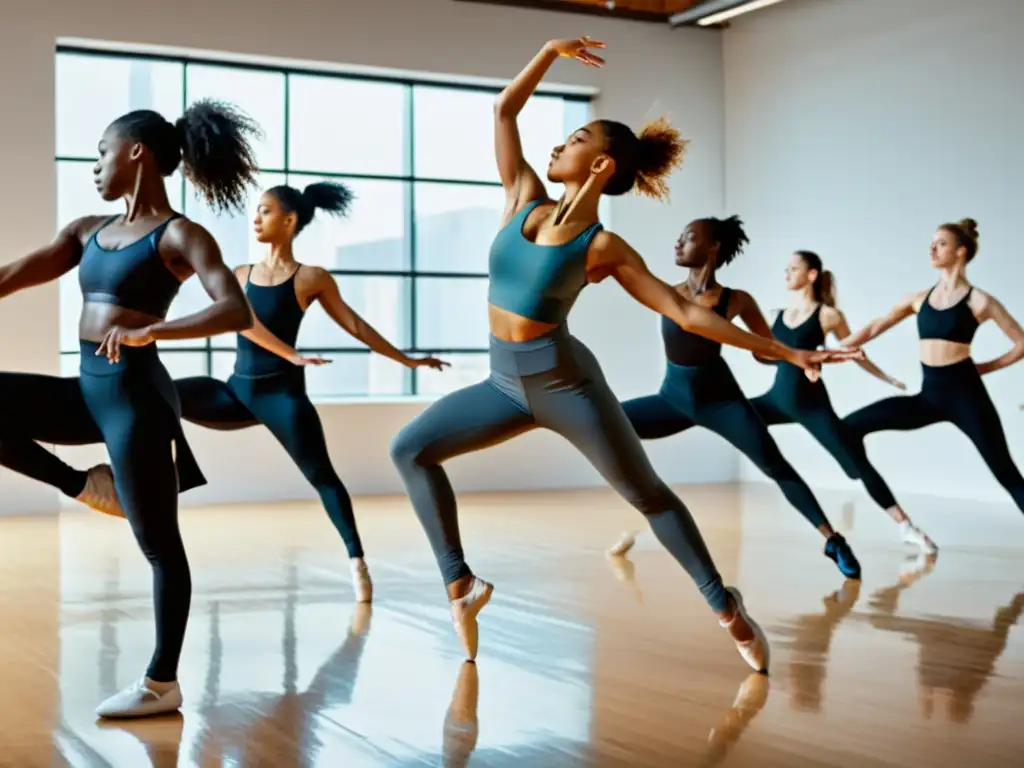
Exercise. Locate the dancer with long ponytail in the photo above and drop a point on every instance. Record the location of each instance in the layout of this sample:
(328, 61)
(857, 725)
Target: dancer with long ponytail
(699, 389)
(948, 316)
(130, 268)
(546, 252)
(794, 399)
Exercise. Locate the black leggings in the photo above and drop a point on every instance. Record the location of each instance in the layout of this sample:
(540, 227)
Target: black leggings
(131, 407)
(793, 399)
(279, 402)
(708, 396)
(953, 393)
(552, 382)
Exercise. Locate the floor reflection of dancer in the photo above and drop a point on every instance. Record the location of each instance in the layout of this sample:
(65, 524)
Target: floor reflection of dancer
(808, 639)
(699, 389)
(545, 253)
(948, 316)
(955, 658)
(812, 317)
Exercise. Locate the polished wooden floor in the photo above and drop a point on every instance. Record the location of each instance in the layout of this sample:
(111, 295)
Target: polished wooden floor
(582, 663)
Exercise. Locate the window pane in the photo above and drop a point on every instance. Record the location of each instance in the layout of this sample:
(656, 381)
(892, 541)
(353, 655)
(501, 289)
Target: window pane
(356, 374)
(455, 224)
(454, 132)
(372, 237)
(382, 301)
(259, 94)
(451, 312)
(232, 231)
(223, 365)
(338, 125)
(93, 91)
(466, 369)
(76, 196)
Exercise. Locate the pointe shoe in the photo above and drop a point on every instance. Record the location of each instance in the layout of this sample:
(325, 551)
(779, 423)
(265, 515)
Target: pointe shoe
(100, 493)
(464, 612)
(755, 651)
(461, 727)
(623, 545)
(625, 572)
(140, 700)
(361, 584)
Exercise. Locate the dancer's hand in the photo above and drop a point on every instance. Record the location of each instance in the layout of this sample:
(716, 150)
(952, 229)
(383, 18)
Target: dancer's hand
(118, 337)
(812, 360)
(302, 360)
(577, 49)
(429, 362)
(898, 384)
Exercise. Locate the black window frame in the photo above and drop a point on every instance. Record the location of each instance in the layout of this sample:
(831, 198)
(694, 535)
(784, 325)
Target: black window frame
(208, 347)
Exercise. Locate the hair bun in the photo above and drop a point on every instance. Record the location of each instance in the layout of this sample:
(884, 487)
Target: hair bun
(970, 227)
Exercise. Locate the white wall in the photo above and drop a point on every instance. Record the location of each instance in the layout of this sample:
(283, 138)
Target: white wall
(651, 69)
(854, 128)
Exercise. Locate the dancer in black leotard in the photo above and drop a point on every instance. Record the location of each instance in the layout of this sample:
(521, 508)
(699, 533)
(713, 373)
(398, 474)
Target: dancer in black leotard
(544, 255)
(948, 315)
(699, 389)
(269, 384)
(793, 399)
(130, 269)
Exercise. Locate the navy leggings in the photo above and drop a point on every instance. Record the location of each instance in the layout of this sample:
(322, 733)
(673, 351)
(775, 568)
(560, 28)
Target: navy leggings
(131, 407)
(552, 382)
(956, 394)
(793, 399)
(708, 396)
(278, 402)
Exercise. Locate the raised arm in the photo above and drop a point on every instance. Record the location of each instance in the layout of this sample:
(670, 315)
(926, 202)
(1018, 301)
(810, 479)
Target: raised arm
(991, 308)
(611, 255)
(50, 262)
(520, 181)
(327, 293)
(837, 326)
(878, 326)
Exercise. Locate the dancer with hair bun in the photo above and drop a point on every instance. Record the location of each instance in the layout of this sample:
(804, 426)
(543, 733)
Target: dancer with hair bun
(793, 399)
(545, 253)
(948, 316)
(699, 389)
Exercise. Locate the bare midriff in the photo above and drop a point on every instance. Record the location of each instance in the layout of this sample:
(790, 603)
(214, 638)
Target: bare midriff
(508, 326)
(98, 317)
(938, 353)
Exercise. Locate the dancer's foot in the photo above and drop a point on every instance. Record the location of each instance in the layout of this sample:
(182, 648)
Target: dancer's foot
(464, 612)
(625, 543)
(361, 584)
(911, 534)
(142, 698)
(99, 492)
(838, 550)
(461, 727)
(746, 633)
(359, 624)
(625, 572)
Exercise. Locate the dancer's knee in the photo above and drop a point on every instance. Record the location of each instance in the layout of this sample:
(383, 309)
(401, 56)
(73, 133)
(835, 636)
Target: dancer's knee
(649, 498)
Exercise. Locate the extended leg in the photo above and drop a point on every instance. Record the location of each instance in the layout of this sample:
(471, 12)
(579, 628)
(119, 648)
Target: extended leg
(976, 416)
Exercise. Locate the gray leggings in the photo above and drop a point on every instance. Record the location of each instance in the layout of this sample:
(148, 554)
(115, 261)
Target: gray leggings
(552, 382)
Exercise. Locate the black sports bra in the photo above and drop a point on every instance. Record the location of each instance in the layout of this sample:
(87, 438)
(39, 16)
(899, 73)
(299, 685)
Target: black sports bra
(956, 323)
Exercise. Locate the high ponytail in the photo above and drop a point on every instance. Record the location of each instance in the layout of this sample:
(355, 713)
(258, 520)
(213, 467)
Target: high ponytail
(211, 143)
(331, 196)
(643, 161)
(824, 287)
(730, 236)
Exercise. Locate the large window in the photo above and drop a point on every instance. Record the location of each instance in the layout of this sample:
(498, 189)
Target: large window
(412, 256)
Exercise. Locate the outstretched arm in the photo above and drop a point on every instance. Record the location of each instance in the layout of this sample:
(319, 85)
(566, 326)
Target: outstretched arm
(611, 255)
(842, 331)
(878, 326)
(992, 309)
(520, 181)
(50, 262)
(327, 293)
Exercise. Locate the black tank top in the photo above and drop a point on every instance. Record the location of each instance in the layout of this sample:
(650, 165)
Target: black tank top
(277, 308)
(685, 348)
(134, 277)
(807, 335)
(956, 323)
